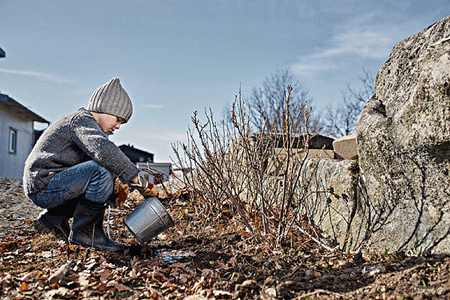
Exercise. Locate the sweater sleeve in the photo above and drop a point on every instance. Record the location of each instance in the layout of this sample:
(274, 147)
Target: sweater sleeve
(86, 134)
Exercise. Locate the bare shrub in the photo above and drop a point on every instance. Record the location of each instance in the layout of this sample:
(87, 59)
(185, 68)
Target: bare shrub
(258, 177)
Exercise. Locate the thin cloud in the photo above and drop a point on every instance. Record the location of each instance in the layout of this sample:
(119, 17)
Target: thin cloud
(37, 75)
(362, 37)
(307, 65)
(366, 36)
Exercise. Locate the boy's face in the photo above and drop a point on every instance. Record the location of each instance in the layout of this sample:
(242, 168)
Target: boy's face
(108, 123)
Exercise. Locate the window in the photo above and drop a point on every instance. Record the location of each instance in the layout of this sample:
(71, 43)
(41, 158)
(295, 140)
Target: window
(12, 141)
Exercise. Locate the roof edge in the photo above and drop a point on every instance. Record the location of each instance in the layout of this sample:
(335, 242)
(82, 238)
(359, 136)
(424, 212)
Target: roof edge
(18, 108)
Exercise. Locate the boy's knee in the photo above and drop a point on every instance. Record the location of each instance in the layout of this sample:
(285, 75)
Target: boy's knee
(104, 178)
(107, 180)
(103, 173)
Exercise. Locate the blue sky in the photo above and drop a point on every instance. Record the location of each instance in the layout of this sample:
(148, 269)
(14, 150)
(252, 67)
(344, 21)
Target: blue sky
(175, 57)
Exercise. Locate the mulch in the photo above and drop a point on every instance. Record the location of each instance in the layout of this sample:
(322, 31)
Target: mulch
(201, 257)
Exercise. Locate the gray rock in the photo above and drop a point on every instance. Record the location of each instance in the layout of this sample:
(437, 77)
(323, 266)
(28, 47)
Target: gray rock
(333, 200)
(345, 147)
(403, 141)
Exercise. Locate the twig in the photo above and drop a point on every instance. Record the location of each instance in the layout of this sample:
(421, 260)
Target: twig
(93, 235)
(61, 273)
(81, 262)
(86, 255)
(313, 238)
(319, 291)
(65, 268)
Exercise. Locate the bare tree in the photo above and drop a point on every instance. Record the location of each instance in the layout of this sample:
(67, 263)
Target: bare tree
(342, 120)
(363, 94)
(266, 103)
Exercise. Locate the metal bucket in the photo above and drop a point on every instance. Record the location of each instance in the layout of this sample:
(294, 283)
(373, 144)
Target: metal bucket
(148, 219)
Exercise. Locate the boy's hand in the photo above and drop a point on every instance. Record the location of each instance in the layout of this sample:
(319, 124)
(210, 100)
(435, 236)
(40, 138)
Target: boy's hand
(121, 190)
(144, 187)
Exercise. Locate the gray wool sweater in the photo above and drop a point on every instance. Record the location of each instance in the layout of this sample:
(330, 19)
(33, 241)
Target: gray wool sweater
(71, 140)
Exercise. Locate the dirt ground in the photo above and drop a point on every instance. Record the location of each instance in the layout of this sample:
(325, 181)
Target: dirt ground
(199, 258)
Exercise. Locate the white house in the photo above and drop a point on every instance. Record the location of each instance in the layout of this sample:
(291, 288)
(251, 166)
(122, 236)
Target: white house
(17, 136)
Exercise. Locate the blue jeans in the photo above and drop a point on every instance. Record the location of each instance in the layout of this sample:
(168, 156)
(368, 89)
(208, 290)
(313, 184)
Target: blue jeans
(90, 179)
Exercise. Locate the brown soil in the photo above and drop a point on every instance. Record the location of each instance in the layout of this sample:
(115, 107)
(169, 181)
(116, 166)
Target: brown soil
(198, 259)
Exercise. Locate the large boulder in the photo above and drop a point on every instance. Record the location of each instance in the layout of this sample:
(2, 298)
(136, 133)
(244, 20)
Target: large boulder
(403, 141)
(333, 200)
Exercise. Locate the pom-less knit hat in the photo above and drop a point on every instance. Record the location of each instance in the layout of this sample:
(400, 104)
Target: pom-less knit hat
(111, 99)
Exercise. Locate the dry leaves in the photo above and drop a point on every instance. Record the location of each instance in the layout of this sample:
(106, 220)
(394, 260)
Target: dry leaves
(200, 258)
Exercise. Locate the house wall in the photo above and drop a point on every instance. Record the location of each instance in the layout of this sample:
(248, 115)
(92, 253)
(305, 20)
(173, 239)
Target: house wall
(11, 165)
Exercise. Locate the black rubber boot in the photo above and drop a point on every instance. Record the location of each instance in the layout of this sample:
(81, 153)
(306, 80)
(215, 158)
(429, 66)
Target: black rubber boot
(87, 227)
(55, 220)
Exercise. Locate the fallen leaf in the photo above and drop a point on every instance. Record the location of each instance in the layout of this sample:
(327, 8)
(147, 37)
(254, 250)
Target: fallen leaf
(219, 293)
(195, 297)
(269, 294)
(223, 266)
(133, 274)
(104, 275)
(91, 263)
(30, 275)
(86, 294)
(63, 292)
(233, 262)
(120, 287)
(46, 254)
(83, 279)
(111, 284)
(6, 281)
(23, 287)
(168, 285)
(207, 272)
(153, 294)
(183, 279)
(179, 265)
(162, 236)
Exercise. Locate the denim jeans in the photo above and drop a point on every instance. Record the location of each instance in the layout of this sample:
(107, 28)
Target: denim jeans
(90, 179)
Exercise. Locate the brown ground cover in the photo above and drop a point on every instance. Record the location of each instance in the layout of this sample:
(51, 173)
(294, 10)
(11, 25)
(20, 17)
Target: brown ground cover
(202, 257)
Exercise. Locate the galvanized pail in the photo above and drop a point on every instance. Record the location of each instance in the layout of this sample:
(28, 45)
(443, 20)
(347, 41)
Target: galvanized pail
(148, 219)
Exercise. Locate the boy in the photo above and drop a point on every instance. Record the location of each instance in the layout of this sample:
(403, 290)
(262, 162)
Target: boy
(71, 169)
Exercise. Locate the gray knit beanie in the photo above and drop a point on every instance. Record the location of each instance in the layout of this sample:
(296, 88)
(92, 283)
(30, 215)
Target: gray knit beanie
(111, 99)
